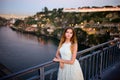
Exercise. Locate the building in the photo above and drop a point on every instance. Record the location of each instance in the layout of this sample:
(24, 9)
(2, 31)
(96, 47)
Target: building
(93, 9)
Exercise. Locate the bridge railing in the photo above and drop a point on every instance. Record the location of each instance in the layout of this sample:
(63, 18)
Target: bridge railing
(94, 61)
(99, 58)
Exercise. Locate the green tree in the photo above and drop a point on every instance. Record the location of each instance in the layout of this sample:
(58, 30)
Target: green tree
(46, 12)
(31, 20)
(60, 13)
(116, 20)
(2, 21)
(81, 35)
(18, 23)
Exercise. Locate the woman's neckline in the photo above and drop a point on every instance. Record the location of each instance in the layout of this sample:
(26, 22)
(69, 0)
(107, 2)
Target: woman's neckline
(67, 42)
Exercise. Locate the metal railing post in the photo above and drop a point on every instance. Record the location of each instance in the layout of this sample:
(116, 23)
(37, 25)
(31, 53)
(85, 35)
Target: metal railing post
(42, 76)
(101, 63)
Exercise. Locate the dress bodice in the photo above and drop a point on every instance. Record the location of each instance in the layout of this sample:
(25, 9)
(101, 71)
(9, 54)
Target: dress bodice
(65, 51)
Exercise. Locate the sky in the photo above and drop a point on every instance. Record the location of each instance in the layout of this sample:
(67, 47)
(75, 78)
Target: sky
(31, 7)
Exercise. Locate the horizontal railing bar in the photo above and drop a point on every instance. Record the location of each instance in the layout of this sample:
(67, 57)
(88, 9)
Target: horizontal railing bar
(96, 52)
(33, 77)
(89, 55)
(31, 69)
(84, 57)
(49, 71)
(95, 47)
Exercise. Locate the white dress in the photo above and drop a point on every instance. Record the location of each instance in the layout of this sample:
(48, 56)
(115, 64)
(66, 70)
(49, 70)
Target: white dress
(70, 71)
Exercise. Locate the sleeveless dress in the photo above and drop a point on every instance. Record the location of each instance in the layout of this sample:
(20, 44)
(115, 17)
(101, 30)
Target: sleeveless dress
(70, 71)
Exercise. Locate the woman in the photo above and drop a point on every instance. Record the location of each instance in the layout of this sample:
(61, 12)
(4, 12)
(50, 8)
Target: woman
(66, 55)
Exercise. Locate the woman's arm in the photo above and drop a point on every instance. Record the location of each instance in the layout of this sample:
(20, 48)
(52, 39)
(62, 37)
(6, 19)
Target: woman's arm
(58, 54)
(72, 59)
(58, 57)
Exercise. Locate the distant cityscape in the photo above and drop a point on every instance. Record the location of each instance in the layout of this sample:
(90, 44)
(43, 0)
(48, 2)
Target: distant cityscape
(92, 9)
(79, 9)
(8, 16)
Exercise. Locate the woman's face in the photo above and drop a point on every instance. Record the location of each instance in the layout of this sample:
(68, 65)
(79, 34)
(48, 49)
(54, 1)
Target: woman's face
(69, 34)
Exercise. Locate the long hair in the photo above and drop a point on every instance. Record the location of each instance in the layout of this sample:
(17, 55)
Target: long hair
(73, 39)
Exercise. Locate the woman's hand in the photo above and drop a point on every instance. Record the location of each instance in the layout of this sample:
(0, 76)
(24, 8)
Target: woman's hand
(56, 59)
(60, 63)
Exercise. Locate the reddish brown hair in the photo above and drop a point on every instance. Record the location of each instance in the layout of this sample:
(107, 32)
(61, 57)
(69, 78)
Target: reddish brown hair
(73, 39)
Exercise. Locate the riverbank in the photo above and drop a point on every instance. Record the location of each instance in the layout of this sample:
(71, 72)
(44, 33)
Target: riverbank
(34, 33)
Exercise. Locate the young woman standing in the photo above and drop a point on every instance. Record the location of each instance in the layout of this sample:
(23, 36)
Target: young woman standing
(66, 55)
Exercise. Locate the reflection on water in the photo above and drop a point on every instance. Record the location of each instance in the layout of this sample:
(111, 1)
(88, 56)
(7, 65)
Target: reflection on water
(19, 51)
(42, 40)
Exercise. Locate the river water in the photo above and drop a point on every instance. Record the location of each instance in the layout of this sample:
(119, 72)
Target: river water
(19, 51)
